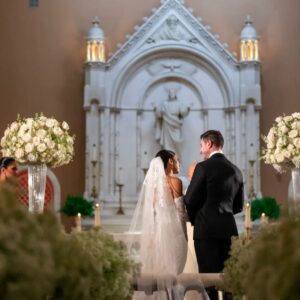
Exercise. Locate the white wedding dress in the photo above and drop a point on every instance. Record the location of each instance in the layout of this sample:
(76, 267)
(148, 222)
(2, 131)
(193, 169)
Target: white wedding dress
(158, 232)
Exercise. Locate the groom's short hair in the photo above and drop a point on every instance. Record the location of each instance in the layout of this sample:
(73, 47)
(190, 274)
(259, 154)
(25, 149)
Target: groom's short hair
(214, 136)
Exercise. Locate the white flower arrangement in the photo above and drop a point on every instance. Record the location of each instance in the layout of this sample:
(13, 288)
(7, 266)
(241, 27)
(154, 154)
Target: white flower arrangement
(38, 140)
(283, 143)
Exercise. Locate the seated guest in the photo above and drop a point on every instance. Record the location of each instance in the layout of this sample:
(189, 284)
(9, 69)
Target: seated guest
(8, 168)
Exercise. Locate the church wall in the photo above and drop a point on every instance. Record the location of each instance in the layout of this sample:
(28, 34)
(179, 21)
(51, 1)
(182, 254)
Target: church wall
(42, 53)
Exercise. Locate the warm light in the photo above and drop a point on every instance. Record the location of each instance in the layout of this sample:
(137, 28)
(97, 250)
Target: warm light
(95, 49)
(249, 42)
(249, 50)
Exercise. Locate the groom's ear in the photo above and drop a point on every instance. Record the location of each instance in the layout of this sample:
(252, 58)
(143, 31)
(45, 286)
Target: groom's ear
(209, 143)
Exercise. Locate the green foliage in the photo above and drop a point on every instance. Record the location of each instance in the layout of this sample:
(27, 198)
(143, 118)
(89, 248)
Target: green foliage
(274, 271)
(267, 205)
(113, 265)
(236, 267)
(77, 204)
(27, 268)
(269, 266)
(38, 261)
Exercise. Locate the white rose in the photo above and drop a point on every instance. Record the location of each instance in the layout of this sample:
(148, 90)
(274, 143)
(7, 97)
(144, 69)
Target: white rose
(279, 157)
(286, 154)
(6, 132)
(57, 131)
(14, 139)
(278, 119)
(29, 122)
(3, 140)
(51, 144)
(36, 141)
(32, 158)
(42, 119)
(291, 147)
(270, 145)
(41, 133)
(41, 147)
(65, 125)
(284, 129)
(7, 153)
(70, 140)
(50, 123)
(287, 118)
(296, 142)
(24, 127)
(296, 115)
(293, 133)
(19, 153)
(26, 137)
(28, 148)
(14, 126)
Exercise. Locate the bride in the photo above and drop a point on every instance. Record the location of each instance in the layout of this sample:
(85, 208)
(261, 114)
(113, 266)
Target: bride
(159, 222)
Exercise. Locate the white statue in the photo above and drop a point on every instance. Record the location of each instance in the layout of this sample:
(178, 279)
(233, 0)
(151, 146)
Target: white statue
(169, 120)
(171, 30)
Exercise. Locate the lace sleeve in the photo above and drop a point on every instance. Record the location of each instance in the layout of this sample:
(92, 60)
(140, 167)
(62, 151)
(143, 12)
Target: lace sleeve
(181, 209)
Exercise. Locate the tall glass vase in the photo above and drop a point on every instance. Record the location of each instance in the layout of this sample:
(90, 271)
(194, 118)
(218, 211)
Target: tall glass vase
(36, 187)
(294, 191)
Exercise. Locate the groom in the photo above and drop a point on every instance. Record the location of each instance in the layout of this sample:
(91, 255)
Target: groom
(214, 195)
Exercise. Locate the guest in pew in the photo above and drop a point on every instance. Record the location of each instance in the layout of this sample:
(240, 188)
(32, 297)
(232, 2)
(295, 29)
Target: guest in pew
(8, 168)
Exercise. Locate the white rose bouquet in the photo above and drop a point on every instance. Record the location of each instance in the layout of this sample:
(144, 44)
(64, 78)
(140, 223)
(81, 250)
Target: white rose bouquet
(283, 143)
(38, 140)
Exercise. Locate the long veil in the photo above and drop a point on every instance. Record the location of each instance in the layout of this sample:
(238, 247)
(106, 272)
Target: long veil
(156, 237)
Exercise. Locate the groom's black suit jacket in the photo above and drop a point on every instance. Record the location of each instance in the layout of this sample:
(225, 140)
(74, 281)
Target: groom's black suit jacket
(214, 195)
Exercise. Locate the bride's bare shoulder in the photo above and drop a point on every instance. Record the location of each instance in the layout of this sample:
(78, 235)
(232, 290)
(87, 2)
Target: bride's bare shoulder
(176, 186)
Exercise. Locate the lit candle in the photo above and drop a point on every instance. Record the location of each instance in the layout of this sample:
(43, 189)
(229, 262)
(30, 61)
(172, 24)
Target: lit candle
(78, 222)
(248, 215)
(97, 222)
(263, 219)
(220, 295)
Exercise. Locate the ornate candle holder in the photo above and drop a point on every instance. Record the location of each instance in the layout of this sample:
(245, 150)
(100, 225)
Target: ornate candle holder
(120, 210)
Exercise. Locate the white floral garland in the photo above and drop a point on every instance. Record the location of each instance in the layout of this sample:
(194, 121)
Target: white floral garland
(283, 143)
(38, 140)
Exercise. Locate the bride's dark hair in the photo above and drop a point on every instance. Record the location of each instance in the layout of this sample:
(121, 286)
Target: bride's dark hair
(165, 155)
